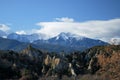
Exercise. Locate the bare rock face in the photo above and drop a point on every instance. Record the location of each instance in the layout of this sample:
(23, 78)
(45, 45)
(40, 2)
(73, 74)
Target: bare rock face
(53, 65)
(103, 62)
(32, 52)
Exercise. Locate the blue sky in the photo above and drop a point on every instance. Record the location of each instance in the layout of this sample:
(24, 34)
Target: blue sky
(25, 14)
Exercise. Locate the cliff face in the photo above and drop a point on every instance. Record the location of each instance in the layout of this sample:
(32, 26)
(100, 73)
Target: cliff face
(104, 61)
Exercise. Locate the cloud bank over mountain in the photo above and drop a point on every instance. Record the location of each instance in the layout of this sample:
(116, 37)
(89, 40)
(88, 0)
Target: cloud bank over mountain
(104, 30)
(98, 29)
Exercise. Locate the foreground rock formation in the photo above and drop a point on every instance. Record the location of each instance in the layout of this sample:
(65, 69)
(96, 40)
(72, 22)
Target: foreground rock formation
(101, 63)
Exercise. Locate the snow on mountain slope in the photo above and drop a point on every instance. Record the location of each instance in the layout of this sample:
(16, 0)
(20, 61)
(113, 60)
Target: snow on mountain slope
(18, 37)
(68, 39)
(71, 41)
(26, 38)
(63, 42)
(68, 35)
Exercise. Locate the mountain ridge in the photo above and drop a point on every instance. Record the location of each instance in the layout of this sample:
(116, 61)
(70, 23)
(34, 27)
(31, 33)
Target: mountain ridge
(67, 42)
(26, 38)
(71, 40)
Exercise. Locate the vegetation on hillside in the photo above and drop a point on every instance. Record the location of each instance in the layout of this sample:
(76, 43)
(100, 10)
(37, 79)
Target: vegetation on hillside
(97, 63)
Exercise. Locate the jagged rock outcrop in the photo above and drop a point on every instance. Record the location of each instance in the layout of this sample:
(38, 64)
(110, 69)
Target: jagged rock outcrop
(53, 65)
(103, 62)
(33, 53)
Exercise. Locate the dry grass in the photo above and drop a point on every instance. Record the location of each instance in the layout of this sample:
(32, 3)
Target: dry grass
(110, 66)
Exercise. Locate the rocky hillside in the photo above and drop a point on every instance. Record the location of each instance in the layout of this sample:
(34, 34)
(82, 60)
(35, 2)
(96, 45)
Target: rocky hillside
(97, 63)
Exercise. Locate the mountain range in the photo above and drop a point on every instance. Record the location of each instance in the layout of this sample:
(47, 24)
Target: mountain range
(62, 42)
(2, 34)
(25, 57)
(26, 38)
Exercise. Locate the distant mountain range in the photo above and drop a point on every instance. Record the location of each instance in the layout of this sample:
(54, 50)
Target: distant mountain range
(2, 34)
(8, 44)
(26, 38)
(66, 42)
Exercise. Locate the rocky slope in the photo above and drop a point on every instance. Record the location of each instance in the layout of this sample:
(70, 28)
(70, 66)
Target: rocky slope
(97, 63)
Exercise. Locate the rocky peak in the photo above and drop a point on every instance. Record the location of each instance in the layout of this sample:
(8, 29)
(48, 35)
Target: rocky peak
(31, 51)
(29, 47)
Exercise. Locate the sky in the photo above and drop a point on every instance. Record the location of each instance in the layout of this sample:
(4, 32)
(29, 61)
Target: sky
(98, 19)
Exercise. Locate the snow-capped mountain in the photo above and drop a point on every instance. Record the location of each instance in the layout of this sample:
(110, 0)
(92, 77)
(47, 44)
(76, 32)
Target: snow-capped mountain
(65, 39)
(74, 40)
(21, 38)
(26, 38)
(71, 40)
(63, 42)
(68, 35)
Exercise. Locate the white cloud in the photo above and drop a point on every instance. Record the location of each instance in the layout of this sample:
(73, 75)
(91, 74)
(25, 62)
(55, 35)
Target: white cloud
(115, 41)
(98, 29)
(21, 32)
(4, 27)
(64, 19)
